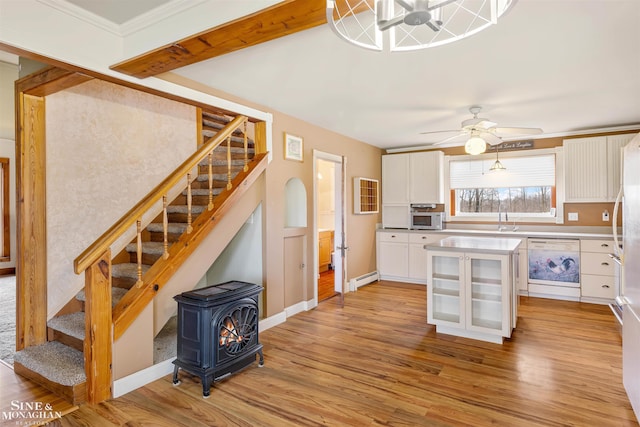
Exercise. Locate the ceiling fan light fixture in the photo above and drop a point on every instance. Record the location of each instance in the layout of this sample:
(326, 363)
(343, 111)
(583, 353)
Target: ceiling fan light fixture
(404, 25)
(475, 145)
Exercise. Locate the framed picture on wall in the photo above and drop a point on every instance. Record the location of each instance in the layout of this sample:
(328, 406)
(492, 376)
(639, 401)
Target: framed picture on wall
(293, 148)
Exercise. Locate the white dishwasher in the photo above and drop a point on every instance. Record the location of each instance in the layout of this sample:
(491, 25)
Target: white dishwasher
(554, 268)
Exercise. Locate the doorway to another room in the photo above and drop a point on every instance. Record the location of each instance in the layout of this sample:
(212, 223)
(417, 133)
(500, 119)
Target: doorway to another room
(329, 188)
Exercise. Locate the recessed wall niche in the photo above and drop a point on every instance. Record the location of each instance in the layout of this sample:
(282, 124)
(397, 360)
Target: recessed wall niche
(295, 199)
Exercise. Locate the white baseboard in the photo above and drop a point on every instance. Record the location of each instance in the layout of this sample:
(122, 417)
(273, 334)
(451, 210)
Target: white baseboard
(138, 379)
(300, 307)
(270, 322)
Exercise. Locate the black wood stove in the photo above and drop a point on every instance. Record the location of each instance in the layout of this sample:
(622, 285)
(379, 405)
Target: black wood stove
(217, 331)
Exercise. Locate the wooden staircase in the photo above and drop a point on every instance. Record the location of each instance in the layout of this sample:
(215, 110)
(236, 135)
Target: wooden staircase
(138, 271)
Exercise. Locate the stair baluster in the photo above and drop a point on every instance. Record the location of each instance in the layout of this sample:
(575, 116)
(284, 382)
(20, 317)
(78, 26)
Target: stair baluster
(165, 227)
(229, 185)
(189, 218)
(139, 252)
(210, 205)
(246, 149)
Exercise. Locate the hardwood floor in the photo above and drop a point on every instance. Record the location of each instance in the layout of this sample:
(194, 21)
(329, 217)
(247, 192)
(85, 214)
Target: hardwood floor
(326, 285)
(377, 362)
(17, 392)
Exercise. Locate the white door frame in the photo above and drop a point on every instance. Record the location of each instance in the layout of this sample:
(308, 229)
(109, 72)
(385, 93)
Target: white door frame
(340, 212)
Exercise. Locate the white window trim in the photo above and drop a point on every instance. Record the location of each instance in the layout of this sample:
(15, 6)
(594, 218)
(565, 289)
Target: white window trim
(539, 218)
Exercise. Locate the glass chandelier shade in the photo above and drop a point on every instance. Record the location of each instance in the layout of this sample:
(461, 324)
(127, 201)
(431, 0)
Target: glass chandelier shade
(411, 24)
(475, 145)
(497, 165)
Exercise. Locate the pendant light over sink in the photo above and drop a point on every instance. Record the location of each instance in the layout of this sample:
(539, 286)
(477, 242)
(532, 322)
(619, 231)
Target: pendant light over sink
(497, 165)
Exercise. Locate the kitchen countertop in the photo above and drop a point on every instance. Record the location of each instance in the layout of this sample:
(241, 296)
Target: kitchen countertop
(477, 244)
(509, 233)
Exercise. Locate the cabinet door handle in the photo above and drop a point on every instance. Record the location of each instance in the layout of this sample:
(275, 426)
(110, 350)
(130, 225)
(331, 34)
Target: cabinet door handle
(604, 245)
(605, 286)
(605, 263)
(424, 237)
(393, 236)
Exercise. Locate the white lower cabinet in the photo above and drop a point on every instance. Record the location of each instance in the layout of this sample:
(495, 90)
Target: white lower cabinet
(598, 271)
(393, 255)
(472, 294)
(402, 255)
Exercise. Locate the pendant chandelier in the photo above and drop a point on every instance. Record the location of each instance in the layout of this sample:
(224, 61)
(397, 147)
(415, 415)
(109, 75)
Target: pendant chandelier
(411, 24)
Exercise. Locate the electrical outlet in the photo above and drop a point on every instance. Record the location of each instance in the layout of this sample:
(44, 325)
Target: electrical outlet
(573, 216)
(605, 216)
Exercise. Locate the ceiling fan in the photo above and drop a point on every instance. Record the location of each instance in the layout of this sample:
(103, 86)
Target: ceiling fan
(476, 132)
(416, 12)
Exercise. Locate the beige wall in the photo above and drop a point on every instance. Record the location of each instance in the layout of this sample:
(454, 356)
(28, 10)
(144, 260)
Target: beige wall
(107, 147)
(362, 160)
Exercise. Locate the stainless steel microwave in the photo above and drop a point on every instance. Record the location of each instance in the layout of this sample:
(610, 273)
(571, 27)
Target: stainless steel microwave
(422, 220)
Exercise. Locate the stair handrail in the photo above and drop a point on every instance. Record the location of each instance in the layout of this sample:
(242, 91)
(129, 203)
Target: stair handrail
(93, 253)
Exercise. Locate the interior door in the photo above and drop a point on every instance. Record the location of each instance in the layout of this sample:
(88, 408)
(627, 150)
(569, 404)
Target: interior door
(340, 234)
(338, 222)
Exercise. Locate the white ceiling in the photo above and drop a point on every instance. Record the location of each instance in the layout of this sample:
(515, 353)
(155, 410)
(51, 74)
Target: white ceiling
(563, 66)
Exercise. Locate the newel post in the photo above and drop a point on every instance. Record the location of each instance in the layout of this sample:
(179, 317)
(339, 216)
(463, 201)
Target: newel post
(98, 326)
(260, 137)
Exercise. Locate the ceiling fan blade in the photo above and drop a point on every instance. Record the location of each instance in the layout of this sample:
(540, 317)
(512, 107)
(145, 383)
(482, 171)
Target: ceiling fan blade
(490, 138)
(440, 131)
(478, 123)
(452, 139)
(385, 25)
(405, 5)
(517, 131)
(440, 4)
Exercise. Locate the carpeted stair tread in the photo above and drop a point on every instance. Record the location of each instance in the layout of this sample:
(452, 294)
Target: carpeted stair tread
(172, 227)
(220, 162)
(165, 343)
(203, 177)
(127, 269)
(116, 295)
(54, 361)
(70, 324)
(195, 209)
(203, 191)
(153, 248)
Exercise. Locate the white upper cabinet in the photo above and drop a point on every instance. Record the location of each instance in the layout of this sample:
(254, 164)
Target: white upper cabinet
(426, 177)
(592, 167)
(395, 179)
(615, 144)
(413, 178)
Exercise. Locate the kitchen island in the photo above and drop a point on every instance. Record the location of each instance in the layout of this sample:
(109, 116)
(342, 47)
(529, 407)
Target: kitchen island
(471, 286)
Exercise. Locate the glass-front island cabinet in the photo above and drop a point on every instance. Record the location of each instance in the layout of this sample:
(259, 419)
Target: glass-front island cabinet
(472, 287)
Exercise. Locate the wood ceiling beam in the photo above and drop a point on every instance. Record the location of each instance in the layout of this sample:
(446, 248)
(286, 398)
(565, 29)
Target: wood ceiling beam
(282, 19)
(276, 21)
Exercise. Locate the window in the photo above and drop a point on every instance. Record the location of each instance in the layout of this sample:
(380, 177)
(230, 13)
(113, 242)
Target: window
(526, 189)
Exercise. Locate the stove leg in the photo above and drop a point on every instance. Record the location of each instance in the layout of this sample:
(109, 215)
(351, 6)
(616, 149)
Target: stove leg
(206, 386)
(261, 362)
(176, 381)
